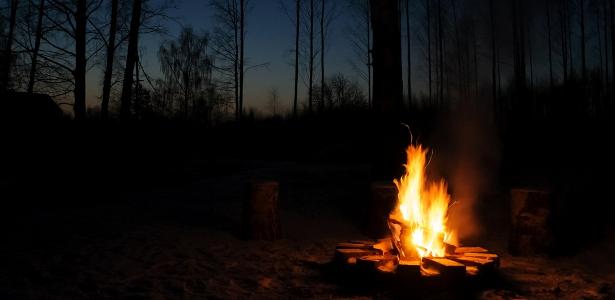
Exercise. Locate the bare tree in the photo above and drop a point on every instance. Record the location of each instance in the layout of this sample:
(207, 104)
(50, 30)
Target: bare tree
(186, 66)
(322, 55)
(8, 51)
(274, 100)
(295, 18)
(131, 59)
(409, 53)
(37, 46)
(297, 22)
(563, 39)
(311, 58)
(359, 34)
(228, 41)
(549, 44)
(110, 43)
(583, 40)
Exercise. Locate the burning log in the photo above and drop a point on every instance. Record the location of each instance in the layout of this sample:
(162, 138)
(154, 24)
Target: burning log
(260, 215)
(444, 266)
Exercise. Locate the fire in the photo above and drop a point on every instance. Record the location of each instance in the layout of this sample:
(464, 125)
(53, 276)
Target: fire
(418, 222)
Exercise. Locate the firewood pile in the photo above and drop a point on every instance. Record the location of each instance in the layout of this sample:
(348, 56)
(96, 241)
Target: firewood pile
(367, 256)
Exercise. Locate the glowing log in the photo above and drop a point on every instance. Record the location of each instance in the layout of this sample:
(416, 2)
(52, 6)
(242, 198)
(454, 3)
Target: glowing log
(444, 266)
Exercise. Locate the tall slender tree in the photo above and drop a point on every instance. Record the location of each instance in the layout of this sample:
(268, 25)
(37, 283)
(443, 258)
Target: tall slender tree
(297, 23)
(81, 20)
(37, 46)
(388, 88)
(494, 95)
(131, 59)
(242, 31)
(549, 44)
(440, 54)
(563, 39)
(428, 14)
(106, 93)
(606, 44)
(583, 40)
(322, 55)
(8, 51)
(408, 53)
(311, 58)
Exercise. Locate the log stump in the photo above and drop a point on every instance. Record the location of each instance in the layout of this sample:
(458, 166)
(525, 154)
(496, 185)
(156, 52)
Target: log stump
(530, 230)
(383, 196)
(261, 219)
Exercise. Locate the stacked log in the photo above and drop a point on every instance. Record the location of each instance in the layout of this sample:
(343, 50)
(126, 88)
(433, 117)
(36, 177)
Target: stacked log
(369, 257)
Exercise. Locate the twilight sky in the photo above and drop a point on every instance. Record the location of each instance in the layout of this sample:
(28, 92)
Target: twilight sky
(270, 38)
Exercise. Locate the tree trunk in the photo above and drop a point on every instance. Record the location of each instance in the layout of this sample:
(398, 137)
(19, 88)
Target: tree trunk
(37, 46)
(369, 57)
(386, 57)
(583, 59)
(569, 39)
(549, 46)
(104, 107)
(460, 79)
(236, 62)
(322, 56)
(612, 12)
(8, 52)
(311, 62)
(131, 58)
(409, 52)
(440, 53)
(242, 31)
(428, 7)
(606, 47)
(563, 40)
(298, 19)
(493, 60)
(80, 59)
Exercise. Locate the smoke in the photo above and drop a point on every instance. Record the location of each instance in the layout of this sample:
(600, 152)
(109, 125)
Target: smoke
(468, 158)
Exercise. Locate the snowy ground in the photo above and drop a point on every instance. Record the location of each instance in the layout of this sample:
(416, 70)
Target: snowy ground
(182, 242)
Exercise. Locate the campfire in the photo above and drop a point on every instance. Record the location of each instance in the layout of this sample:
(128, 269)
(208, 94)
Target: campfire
(421, 242)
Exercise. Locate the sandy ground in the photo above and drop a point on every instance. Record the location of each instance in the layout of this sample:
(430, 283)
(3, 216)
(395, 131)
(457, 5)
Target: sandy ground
(183, 243)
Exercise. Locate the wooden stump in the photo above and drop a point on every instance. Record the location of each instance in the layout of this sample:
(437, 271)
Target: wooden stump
(261, 220)
(383, 197)
(530, 231)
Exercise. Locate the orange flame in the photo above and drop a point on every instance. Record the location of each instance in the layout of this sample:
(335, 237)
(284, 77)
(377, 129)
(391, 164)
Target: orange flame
(418, 222)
